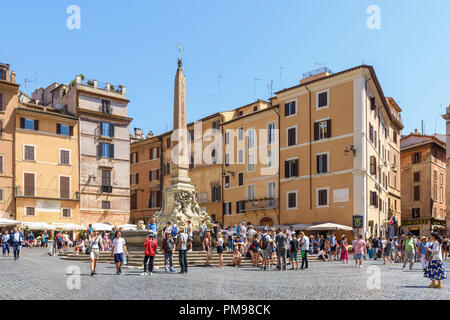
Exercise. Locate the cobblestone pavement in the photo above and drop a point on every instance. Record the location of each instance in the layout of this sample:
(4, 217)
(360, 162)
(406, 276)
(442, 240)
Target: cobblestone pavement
(37, 276)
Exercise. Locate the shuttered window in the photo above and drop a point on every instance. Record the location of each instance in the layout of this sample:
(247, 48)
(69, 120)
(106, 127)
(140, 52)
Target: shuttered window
(1, 165)
(417, 193)
(289, 109)
(28, 184)
(28, 153)
(292, 136)
(64, 157)
(292, 200)
(241, 178)
(323, 100)
(373, 165)
(322, 163)
(291, 168)
(64, 187)
(322, 197)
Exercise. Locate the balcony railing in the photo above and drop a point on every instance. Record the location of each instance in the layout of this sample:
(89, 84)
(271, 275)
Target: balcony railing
(46, 193)
(261, 204)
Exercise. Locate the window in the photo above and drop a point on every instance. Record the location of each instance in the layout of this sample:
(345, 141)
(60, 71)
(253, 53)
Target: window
(134, 157)
(227, 208)
(227, 138)
(64, 187)
(64, 157)
(291, 168)
(251, 138)
(441, 180)
(322, 98)
(214, 156)
(168, 143)
(435, 175)
(240, 179)
(2, 107)
(28, 184)
(191, 162)
(153, 175)
(435, 192)
(374, 199)
(106, 205)
(215, 193)
(227, 181)
(415, 213)
(271, 133)
(29, 124)
(2, 195)
(106, 106)
(322, 197)
(134, 178)
(1, 128)
(154, 153)
(292, 200)
(133, 201)
(240, 206)
(241, 156)
(291, 136)
(240, 134)
(227, 159)
(373, 165)
(255, 108)
(372, 103)
(395, 137)
(64, 130)
(251, 163)
(29, 211)
(416, 157)
(289, 109)
(28, 153)
(66, 213)
(215, 124)
(441, 194)
(107, 129)
(251, 192)
(271, 189)
(322, 130)
(370, 132)
(2, 74)
(106, 150)
(106, 181)
(416, 193)
(1, 164)
(154, 199)
(322, 163)
(270, 158)
(191, 135)
(167, 166)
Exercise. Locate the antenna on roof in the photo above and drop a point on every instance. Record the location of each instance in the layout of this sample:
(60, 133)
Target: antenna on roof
(423, 127)
(218, 89)
(270, 88)
(281, 75)
(29, 80)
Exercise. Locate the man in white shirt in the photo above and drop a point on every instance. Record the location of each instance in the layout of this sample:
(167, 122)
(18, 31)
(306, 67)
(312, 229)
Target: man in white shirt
(251, 232)
(243, 230)
(304, 245)
(290, 231)
(118, 249)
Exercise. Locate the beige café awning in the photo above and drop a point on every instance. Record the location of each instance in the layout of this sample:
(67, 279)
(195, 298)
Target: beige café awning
(329, 226)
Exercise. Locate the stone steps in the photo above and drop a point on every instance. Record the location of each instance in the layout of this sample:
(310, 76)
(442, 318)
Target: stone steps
(195, 258)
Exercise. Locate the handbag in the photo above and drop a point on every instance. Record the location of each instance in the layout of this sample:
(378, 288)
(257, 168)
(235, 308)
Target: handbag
(89, 250)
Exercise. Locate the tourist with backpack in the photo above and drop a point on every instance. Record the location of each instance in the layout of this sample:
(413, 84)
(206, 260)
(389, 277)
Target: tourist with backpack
(265, 246)
(281, 244)
(59, 242)
(5, 243)
(202, 231)
(168, 246)
(182, 241)
(174, 231)
(96, 242)
(150, 245)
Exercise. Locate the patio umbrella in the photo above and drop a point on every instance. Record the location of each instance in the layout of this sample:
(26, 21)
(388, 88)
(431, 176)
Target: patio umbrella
(329, 226)
(8, 222)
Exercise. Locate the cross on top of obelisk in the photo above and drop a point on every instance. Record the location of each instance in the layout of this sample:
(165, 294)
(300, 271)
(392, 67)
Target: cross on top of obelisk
(180, 49)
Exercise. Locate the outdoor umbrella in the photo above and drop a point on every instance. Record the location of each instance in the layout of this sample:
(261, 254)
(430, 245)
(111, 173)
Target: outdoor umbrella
(37, 225)
(329, 226)
(128, 227)
(68, 226)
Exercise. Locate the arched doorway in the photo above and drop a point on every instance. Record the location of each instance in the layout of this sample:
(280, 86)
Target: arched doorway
(266, 221)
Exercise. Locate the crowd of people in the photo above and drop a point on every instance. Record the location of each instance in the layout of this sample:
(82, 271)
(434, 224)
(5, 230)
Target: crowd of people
(267, 248)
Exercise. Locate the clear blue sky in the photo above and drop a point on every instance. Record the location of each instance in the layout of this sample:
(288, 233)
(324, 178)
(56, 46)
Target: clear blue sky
(133, 43)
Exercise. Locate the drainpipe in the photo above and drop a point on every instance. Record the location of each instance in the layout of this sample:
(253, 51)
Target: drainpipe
(279, 173)
(310, 151)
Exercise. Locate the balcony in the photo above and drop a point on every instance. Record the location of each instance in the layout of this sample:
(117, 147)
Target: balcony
(46, 193)
(261, 204)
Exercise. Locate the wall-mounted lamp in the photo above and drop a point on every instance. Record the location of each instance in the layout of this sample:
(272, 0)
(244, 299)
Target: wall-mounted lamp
(350, 148)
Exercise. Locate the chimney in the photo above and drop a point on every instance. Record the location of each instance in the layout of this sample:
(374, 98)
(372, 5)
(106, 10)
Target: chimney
(150, 134)
(95, 84)
(123, 90)
(137, 133)
(13, 77)
(78, 79)
(108, 86)
(416, 131)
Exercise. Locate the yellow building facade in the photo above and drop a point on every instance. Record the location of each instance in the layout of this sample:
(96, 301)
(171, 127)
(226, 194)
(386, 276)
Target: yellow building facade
(46, 165)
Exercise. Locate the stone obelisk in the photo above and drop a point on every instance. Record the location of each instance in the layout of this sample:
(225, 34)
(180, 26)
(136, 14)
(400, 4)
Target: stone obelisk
(180, 198)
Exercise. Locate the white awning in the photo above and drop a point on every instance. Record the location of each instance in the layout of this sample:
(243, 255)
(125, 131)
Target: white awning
(102, 227)
(329, 226)
(8, 222)
(68, 226)
(37, 225)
